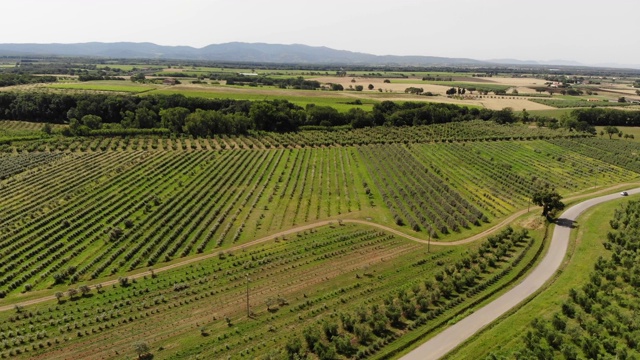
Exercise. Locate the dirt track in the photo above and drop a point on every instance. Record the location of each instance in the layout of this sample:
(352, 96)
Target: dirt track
(299, 229)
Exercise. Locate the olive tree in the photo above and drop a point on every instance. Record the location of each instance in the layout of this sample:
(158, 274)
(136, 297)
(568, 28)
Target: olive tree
(141, 348)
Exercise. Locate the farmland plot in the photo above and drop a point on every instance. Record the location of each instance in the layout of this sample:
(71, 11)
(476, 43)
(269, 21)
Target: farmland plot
(297, 284)
(84, 210)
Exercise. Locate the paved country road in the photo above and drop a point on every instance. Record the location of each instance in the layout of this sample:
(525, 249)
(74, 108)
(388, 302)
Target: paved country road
(456, 334)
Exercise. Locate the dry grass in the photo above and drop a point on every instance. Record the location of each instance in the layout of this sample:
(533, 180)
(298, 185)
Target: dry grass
(515, 103)
(379, 83)
(526, 82)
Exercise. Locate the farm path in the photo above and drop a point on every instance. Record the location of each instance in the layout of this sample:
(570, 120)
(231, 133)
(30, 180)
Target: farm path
(447, 340)
(299, 229)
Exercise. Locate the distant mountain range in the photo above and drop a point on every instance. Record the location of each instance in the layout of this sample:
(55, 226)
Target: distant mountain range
(250, 52)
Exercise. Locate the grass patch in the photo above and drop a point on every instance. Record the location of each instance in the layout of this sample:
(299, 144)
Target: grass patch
(575, 103)
(630, 130)
(341, 103)
(116, 86)
(555, 113)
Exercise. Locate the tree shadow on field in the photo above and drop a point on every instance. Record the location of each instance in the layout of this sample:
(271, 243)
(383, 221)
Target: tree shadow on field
(566, 223)
(400, 325)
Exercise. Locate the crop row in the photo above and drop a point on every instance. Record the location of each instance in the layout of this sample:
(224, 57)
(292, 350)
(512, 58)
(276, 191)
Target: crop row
(365, 330)
(417, 196)
(161, 295)
(619, 152)
(449, 132)
(11, 164)
(55, 185)
(499, 177)
(98, 223)
(208, 298)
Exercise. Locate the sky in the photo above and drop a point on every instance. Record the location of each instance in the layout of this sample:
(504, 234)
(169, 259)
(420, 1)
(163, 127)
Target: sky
(589, 31)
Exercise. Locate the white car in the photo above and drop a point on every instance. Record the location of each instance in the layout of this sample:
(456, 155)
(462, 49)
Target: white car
(624, 193)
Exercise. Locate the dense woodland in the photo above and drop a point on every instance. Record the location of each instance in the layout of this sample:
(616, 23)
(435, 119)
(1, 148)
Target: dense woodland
(604, 117)
(204, 117)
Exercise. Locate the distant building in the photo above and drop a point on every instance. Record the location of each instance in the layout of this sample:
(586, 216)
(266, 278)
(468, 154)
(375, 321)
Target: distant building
(169, 81)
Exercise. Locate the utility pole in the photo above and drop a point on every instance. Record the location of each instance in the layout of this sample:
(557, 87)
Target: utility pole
(248, 310)
(429, 242)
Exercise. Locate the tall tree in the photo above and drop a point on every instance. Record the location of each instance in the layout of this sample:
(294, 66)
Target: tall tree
(173, 118)
(550, 201)
(611, 130)
(504, 116)
(93, 122)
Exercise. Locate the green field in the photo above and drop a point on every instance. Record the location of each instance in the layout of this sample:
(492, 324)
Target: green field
(18, 130)
(299, 98)
(555, 113)
(279, 209)
(116, 86)
(574, 102)
(194, 309)
(322, 243)
(629, 130)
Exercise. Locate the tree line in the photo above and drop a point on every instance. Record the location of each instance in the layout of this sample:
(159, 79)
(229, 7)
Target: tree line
(295, 83)
(23, 79)
(202, 117)
(604, 117)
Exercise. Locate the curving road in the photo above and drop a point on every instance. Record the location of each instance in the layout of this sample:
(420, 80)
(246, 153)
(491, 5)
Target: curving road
(447, 340)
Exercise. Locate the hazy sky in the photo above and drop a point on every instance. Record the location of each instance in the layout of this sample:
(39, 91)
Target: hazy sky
(588, 31)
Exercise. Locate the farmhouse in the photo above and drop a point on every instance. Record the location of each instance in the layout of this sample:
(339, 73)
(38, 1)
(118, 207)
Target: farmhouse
(169, 81)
